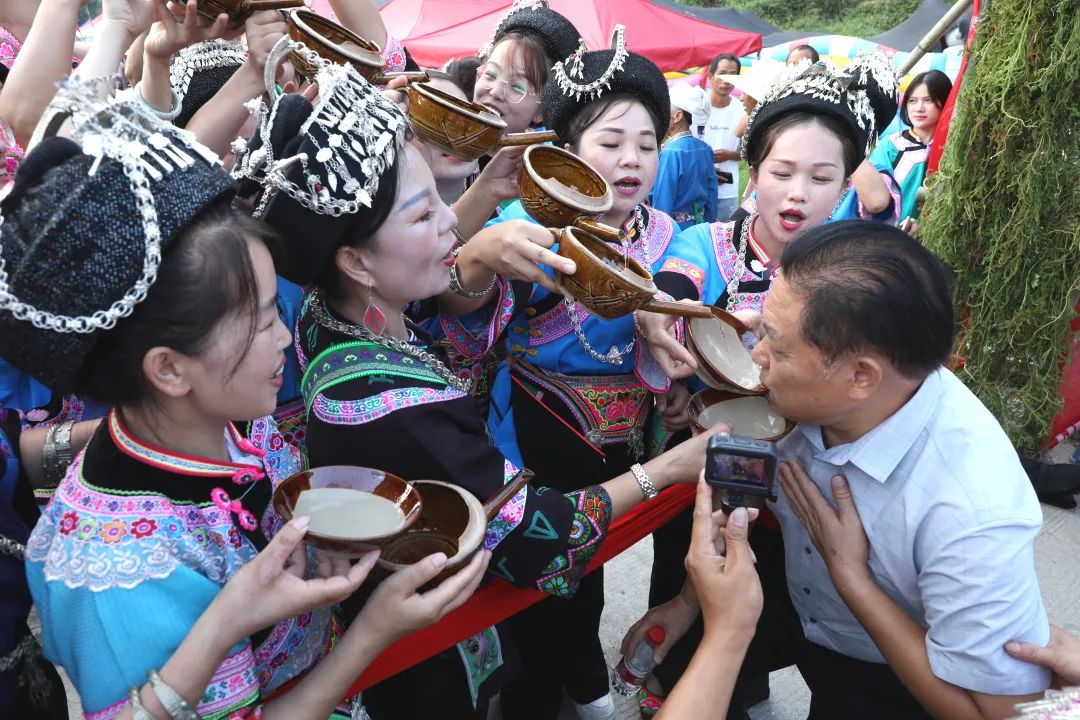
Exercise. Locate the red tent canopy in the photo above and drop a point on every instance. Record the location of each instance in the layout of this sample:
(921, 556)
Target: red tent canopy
(435, 31)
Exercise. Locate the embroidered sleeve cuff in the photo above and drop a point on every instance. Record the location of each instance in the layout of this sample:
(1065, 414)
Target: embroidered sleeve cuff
(474, 334)
(592, 516)
(681, 283)
(393, 54)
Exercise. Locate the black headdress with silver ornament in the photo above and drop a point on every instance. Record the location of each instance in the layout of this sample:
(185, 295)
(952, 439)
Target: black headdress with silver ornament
(315, 164)
(198, 71)
(533, 17)
(583, 77)
(85, 226)
(863, 95)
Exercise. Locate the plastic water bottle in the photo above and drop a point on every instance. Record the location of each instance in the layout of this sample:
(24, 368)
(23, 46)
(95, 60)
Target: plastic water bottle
(629, 675)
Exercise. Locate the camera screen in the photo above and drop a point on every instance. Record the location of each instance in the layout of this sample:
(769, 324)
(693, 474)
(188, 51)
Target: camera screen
(738, 469)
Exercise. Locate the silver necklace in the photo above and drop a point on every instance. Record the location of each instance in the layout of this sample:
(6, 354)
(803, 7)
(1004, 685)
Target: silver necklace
(734, 296)
(614, 355)
(318, 311)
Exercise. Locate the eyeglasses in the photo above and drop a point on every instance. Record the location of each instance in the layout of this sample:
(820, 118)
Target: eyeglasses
(515, 92)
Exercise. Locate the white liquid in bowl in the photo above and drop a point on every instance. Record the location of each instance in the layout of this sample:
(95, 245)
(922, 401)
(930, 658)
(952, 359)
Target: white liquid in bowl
(750, 416)
(348, 513)
(724, 348)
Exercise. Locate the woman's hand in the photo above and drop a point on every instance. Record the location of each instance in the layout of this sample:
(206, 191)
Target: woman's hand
(720, 565)
(514, 249)
(132, 16)
(500, 178)
(272, 587)
(180, 26)
(672, 407)
(659, 332)
(837, 534)
(685, 462)
(397, 608)
(263, 30)
(1062, 656)
(675, 617)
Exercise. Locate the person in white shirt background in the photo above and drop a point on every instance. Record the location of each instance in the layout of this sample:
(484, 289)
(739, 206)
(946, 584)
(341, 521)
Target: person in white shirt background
(724, 116)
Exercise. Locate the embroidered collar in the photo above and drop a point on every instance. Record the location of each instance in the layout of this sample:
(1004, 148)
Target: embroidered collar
(760, 262)
(164, 459)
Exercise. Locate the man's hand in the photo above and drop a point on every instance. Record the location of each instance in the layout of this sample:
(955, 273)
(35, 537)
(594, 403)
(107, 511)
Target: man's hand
(720, 564)
(1062, 656)
(837, 534)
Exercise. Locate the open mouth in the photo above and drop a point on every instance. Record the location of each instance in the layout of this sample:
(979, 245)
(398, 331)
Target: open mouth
(493, 110)
(627, 186)
(792, 220)
(449, 258)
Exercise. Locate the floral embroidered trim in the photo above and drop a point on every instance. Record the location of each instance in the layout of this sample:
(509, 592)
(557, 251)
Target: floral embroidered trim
(660, 231)
(232, 687)
(687, 269)
(727, 257)
(294, 646)
(358, 412)
(554, 324)
(471, 346)
(393, 55)
(592, 516)
(606, 408)
(511, 514)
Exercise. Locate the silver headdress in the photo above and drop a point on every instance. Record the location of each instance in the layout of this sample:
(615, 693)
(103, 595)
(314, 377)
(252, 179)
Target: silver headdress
(203, 56)
(149, 151)
(866, 89)
(514, 7)
(592, 90)
(350, 139)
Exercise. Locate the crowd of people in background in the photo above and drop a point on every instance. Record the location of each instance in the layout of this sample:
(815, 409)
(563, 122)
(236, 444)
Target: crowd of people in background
(225, 259)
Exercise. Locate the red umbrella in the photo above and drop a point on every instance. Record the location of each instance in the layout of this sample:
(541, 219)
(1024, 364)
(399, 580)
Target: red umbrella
(435, 31)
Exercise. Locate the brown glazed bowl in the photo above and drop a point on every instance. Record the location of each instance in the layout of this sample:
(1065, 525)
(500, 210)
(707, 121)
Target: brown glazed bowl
(713, 369)
(461, 128)
(383, 484)
(749, 415)
(557, 187)
(453, 522)
(239, 9)
(609, 284)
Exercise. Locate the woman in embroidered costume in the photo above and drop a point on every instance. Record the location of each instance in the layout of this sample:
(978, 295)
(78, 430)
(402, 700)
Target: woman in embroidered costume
(577, 387)
(907, 151)
(370, 237)
(685, 186)
(178, 331)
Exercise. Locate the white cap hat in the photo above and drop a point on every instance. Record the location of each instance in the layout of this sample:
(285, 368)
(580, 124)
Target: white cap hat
(689, 99)
(757, 80)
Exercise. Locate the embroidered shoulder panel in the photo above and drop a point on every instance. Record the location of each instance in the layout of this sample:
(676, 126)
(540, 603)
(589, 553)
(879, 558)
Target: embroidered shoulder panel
(359, 360)
(554, 324)
(474, 345)
(98, 540)
(727, 255)
(688, 270)
(365, 410)
(592, 516)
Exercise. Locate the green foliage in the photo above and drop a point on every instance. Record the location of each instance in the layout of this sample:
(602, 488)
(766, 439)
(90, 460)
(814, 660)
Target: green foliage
(857, 18)
(1004, 210)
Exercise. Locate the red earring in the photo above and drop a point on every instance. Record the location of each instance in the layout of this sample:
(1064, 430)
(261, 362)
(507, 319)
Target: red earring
(374, 319)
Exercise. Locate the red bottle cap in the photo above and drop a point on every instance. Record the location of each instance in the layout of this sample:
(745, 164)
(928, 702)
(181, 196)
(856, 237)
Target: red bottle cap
(655, 636)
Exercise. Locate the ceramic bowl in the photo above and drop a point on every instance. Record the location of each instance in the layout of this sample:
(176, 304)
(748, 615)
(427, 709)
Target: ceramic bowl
(749, 415)
(385, 485)
(720, 353)
(557, 187)
(461, 128)
(453, 522)
(239, 9)
(331, 42)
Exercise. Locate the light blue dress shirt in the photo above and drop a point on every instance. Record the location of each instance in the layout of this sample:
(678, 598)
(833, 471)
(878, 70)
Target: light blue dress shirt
(951, 519)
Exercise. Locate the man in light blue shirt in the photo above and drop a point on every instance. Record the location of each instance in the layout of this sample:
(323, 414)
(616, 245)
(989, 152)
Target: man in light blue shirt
(908, 523)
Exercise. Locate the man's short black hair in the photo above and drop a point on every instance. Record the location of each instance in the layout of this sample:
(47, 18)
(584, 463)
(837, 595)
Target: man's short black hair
(724, 56)
(870, 287)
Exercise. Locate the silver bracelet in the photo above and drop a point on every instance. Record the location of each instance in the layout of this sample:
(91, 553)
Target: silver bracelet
(177, 104)
(455, 285)
(647, 488)
(137, 710)
(56, 454)
(175, 705)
